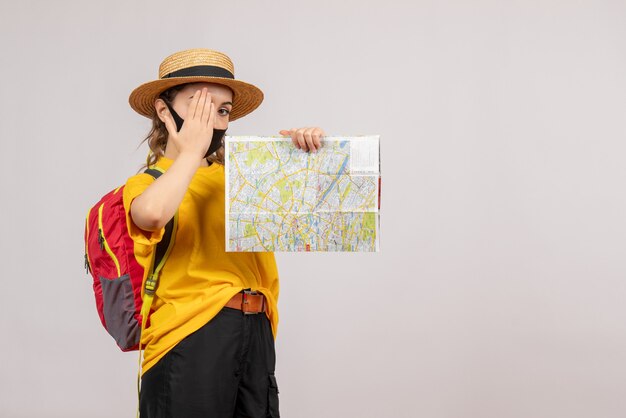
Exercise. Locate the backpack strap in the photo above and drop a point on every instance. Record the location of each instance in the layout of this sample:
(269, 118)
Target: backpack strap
(161, 252)
(162, 248)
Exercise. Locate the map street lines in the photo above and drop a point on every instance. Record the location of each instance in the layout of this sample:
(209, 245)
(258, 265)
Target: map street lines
(280, 198)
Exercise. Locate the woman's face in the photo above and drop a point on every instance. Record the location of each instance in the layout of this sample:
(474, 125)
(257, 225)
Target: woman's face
(221, 96)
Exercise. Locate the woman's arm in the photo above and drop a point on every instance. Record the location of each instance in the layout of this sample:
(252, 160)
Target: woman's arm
(153, 208)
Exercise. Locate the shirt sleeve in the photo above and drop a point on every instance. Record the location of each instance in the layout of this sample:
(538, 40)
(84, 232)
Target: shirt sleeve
(134, 187)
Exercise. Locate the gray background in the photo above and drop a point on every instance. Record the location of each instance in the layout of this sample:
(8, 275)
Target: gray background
(499, 289)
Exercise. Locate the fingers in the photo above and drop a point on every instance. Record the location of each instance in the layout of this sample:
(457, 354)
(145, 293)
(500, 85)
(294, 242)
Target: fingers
(204, 104)
(291, 133)
(299, 134)
(205, 100)
(211, 119)
(318, 134)
(312, 138)
(193, 105)
(207, 110)
(306, 139)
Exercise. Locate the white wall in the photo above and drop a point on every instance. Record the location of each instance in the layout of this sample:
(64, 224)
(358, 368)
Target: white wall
(499, 289)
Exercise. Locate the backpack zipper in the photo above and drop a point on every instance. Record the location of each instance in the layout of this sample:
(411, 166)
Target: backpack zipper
(101, 239)
(103, 242)
(87, 267)
(87, 263)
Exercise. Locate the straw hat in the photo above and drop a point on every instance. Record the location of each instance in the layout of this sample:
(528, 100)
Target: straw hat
(194, 66)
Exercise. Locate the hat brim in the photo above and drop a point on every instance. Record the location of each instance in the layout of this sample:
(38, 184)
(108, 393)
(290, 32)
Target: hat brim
(246, 97)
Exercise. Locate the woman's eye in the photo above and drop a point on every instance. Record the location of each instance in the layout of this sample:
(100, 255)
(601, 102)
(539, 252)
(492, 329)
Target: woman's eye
(225, 110)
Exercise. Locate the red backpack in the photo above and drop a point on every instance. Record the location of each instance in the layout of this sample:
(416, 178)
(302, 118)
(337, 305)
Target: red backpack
(117, 275)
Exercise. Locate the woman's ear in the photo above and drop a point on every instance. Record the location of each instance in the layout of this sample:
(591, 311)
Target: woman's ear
(161, 109)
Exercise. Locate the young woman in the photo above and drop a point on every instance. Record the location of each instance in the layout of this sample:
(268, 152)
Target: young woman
(209, 345)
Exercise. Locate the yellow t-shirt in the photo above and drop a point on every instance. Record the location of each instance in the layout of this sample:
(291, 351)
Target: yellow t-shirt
(199, 276)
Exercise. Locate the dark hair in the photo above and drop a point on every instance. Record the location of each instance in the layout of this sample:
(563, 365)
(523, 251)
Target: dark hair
(157, 137)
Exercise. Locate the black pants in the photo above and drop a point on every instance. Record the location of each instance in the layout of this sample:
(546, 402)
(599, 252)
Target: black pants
(223, 370)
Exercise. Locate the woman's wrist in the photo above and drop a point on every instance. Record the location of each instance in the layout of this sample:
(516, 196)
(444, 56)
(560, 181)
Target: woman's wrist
(189, 159)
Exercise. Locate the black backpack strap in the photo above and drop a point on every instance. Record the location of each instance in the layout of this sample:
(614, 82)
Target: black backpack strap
(153, 172)
(161, 252)
(163, 247)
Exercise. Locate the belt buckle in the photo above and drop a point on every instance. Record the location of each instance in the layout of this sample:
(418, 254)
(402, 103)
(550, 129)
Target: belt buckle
(244, 301)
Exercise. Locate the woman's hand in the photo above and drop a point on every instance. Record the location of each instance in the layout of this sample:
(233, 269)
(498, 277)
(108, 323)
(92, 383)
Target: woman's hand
(306, 139)
(197, 132)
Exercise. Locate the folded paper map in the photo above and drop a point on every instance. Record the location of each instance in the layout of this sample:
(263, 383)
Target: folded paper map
(280, 198)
